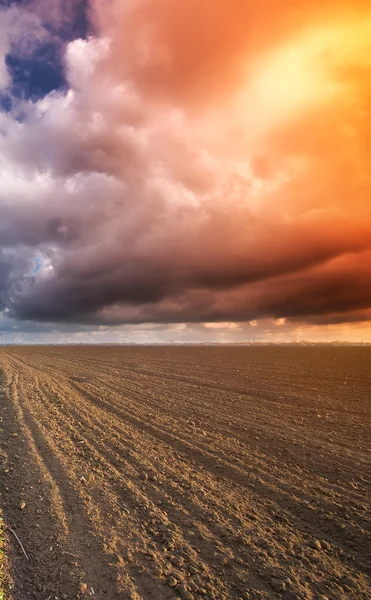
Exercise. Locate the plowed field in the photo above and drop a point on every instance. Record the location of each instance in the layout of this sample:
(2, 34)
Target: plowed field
(164, 473)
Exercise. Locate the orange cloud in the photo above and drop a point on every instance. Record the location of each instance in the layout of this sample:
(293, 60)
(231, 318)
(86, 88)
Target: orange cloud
(194, 50)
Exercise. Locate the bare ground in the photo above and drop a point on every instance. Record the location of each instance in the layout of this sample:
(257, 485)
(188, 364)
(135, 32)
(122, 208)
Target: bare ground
(164, 473)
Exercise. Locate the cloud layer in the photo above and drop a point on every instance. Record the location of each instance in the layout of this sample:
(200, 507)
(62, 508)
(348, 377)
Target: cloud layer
(204, 164)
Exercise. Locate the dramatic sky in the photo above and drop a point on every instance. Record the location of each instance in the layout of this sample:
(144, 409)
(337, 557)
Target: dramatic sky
(185, 171)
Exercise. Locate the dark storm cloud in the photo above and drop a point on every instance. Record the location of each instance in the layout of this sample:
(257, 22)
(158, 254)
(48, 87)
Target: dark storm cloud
(142, 280)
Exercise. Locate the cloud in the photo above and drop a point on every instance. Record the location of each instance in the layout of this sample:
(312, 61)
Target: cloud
(4, 76)
(205, 165)
(21, 33)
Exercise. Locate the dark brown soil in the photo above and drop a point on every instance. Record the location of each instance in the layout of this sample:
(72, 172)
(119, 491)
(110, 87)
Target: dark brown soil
(164, 473)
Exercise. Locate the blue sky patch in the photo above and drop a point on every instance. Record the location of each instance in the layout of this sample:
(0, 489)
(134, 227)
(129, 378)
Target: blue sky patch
(36, 76)
(42, 71)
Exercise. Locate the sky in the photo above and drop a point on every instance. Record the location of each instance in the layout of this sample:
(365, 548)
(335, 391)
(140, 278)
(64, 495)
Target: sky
(185, 171)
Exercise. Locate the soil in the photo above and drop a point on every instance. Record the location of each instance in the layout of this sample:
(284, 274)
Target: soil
(186, 472)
